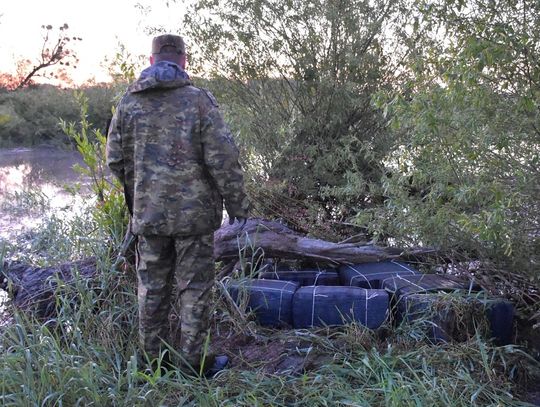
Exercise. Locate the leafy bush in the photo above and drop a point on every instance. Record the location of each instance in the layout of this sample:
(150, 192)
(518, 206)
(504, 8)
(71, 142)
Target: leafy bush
(31, 116)
(463, 170)
(298, 78)
(110, 212)
(417, 122)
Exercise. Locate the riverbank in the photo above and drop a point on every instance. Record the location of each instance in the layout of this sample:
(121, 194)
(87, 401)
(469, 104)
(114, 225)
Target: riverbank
(40, 193)
(89, 350)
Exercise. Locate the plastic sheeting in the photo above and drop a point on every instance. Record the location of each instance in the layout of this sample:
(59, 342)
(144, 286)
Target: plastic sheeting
(270, 300)
(371, 275)
(323, 305)
(304, 277)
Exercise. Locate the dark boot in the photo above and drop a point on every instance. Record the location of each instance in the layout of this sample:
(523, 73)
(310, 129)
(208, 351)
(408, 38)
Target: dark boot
(219, 363)
(212, 365)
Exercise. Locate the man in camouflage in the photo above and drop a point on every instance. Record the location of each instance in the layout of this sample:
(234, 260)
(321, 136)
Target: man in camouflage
(175, 157)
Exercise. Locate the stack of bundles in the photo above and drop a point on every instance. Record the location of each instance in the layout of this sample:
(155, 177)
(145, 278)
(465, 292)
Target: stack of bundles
(310, 298)
(449, 308)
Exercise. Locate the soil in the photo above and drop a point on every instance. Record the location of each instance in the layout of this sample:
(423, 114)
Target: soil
(268, 354)
(272, 354)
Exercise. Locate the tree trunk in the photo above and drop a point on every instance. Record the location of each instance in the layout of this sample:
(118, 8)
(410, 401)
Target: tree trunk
(35, 287)
(278, 241)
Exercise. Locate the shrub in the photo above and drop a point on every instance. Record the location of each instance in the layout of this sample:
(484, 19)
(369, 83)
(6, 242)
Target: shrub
(31, 116)
(298, 78)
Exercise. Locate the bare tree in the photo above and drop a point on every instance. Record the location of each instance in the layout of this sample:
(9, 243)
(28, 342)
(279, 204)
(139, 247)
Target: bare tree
(56, 50)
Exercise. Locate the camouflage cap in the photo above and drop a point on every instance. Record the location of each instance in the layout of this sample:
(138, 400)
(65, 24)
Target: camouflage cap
(168, 40)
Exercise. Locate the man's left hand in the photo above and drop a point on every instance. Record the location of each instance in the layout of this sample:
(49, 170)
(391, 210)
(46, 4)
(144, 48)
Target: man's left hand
(241, 221)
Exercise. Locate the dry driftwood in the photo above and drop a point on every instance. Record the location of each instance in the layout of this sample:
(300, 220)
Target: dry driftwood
(278, 241)
(35, 286)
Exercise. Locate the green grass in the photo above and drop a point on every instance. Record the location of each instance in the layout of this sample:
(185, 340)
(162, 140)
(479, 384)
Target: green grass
(40, 368)
(88, 355)
(58, 234)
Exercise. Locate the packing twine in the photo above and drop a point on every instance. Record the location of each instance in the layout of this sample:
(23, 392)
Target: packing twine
(398, 277)
(380, 273)
(421, 289)
(281, 290)
(373, 295)
(367, 299)
(317, 277)
(313, 305)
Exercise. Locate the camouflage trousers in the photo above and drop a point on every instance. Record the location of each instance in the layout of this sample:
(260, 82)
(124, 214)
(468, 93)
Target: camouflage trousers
(189, 261)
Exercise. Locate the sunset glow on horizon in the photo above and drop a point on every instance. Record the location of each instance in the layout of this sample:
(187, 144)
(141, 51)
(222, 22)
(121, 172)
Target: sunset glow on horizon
(101, 24)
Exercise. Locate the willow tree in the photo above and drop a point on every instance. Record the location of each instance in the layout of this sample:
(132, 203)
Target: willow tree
(466, 136)
(297, 79)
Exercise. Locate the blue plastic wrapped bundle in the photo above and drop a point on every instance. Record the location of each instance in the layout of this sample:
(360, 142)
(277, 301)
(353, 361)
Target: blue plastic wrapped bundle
(371, 275)
(438, 314)
(270, 300)
(400, 285)
(500, 314)
(325, 306)
(436, 325)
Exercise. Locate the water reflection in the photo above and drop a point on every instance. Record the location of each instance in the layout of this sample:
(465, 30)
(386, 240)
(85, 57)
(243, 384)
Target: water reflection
(12, 178)
(36, 166)
(32, 181)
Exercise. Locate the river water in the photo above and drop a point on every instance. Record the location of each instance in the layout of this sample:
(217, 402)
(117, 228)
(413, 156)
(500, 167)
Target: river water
(34, 182)
(31, 181)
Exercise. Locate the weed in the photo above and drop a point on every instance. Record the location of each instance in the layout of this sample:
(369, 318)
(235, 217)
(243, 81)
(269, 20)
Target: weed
(88, 353)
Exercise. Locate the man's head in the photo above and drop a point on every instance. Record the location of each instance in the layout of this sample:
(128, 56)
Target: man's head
(168, 47)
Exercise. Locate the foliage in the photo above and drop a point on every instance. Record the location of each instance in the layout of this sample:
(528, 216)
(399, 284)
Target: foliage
(298, 77)
(463, 171)
(124, 66)
(456, 168)
(110, 212)
(416, 121)
(31, 116)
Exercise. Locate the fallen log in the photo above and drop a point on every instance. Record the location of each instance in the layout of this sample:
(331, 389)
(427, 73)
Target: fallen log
(34, 287)
(31, 287)
(278, 241)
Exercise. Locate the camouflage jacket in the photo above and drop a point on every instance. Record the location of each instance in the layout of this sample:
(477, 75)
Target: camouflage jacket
(175, 156)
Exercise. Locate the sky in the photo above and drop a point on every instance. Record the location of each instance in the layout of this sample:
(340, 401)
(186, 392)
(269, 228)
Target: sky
(102, 25)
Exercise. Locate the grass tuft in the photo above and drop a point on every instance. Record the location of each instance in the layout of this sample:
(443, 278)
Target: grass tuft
(88, 354)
